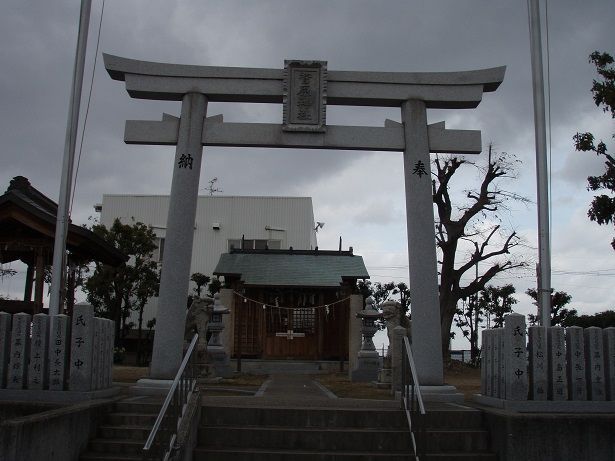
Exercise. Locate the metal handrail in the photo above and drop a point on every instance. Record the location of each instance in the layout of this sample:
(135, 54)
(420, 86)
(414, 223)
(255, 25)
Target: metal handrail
(412, 400)
(161, 440)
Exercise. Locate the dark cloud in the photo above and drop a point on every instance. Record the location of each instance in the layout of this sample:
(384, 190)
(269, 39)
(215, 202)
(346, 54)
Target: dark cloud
(37, 51)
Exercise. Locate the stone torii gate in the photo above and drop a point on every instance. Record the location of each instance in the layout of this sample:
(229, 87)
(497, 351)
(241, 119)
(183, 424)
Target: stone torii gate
(304, 88)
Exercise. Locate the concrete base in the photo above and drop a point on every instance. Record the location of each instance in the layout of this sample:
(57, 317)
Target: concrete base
(60, 433)
(148, 386)
(546, 406)
(56, 396)
(444, 393)
(546, 436)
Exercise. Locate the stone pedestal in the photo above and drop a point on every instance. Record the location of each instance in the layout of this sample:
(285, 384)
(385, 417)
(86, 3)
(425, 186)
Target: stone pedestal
(368, 365)
(594, 363)
(558, 386)
(516, 379)
(575, 355)
(538, 363)
(20, 350)
(39, 346)
(6, 321)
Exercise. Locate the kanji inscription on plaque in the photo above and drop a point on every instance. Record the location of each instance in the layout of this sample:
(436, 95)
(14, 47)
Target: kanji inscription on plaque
(305, 95)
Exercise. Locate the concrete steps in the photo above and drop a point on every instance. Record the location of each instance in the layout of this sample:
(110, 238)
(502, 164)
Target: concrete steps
(272, 434)
(124, 432)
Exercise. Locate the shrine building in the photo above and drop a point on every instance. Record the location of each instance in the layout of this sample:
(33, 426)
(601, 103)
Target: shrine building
(221, 223)
(290, 304)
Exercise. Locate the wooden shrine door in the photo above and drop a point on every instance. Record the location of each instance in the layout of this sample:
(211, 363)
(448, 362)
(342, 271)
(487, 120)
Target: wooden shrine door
(287, 327)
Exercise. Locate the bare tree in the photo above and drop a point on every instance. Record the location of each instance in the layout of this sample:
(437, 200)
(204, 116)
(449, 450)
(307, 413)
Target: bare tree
(475, 226)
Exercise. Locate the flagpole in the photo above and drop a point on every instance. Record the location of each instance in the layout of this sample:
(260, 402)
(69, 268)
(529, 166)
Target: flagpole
(66, 182)
(544, 246)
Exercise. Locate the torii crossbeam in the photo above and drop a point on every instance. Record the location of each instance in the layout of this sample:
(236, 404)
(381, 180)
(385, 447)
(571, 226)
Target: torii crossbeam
(304, 88)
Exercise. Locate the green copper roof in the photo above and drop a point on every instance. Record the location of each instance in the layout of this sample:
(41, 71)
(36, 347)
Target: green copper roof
(276, 268)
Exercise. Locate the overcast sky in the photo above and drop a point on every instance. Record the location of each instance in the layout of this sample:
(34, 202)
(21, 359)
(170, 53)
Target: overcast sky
(358, 195)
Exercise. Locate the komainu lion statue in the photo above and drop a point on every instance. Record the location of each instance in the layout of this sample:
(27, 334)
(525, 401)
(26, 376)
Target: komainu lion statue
(394, 317)
(197, 320)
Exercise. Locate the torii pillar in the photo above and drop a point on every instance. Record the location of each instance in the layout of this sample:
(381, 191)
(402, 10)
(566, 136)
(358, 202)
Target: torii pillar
(175, 273)
(422, 259)
(305, 88)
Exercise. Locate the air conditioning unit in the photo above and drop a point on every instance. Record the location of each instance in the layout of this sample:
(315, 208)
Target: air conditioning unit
(215, 226)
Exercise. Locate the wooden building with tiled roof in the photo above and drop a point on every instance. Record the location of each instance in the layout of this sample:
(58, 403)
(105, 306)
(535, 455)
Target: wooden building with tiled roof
(27, 231)
(291, 304)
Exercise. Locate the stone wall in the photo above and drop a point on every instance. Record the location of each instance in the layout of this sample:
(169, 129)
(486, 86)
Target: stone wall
(542, 437)
(61, 433)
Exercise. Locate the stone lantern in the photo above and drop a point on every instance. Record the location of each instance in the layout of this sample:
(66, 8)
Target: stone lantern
(368, 362)
(216, 354)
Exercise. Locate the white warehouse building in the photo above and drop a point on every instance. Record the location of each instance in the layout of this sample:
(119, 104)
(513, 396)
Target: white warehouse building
(221, 222)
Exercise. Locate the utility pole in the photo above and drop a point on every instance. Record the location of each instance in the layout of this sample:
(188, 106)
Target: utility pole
(66, 183)
(542, 179)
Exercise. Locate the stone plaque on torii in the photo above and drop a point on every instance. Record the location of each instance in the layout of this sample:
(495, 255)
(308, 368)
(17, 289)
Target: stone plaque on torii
(305, 88)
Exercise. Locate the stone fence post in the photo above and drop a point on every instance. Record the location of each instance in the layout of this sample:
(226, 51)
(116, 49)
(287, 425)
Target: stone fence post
(6, 321)
(396, 357)
(559, 364)
(516, 379)
(20, 351)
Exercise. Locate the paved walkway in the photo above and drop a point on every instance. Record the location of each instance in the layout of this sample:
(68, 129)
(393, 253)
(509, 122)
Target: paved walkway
(295, 391)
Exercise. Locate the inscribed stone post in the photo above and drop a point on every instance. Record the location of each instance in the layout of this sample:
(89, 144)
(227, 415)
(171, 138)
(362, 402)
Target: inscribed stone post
(20, 342)
(108, 353)
(175, 274)
(39, 360)
(58, 355)
(558, 385)
(97, 354)
(496, 369)
(111, 349)
(538, 363)
(502, 363)
(594, 363)
(5, 346)
(515, 357)
(82, 345)
(609, 361)
(101, 354)
(399, 333)
(422, 259)
(485, 363)
(575, 355)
